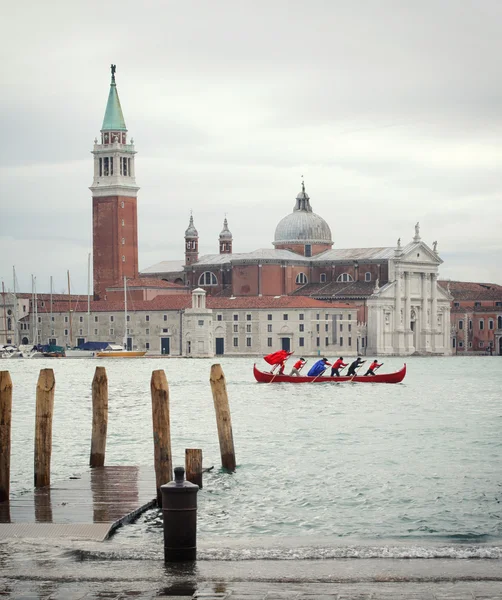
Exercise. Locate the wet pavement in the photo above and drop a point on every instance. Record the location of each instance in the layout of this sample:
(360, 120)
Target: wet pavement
(31, 590)
(347, 579)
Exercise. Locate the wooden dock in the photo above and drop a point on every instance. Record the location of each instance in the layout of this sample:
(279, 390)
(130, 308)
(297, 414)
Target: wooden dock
(90, 506)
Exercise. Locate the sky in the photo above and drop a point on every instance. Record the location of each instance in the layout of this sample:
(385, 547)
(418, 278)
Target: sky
(390, 110)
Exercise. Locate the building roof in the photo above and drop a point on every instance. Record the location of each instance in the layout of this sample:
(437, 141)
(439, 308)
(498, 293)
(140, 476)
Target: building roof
(302, 226)
(147, 282)
(182, 301)
(261, 255)
(355, 254)
(114, 119)
(269, 302)
(166, 266)
(337, 289)
(468, 290)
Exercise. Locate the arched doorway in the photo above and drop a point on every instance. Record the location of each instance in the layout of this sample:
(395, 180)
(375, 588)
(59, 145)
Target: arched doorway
(25, 341)
(500, 346)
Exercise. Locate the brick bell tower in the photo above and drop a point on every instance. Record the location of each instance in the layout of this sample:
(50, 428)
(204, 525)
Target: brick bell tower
(114, 201)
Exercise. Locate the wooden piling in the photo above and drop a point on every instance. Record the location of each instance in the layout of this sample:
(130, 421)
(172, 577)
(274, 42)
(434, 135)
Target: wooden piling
(161, 430)
(193, 466)
(5, 433)
(223, 419)
(43, 427)
(99, 417)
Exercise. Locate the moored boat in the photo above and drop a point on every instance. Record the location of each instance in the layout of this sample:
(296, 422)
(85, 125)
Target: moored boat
(117, 351)
(265, 377)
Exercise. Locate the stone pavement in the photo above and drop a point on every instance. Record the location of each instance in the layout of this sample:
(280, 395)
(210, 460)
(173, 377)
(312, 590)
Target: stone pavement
(142, 590)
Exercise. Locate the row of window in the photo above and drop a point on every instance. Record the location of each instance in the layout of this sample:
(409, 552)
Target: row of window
(491, 324)
(219, 317)
(209, 278)
(477, 304)
(481, 344)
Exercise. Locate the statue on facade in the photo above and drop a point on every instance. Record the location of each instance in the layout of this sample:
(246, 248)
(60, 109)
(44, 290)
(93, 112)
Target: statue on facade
(113, 69)
(417, 229)
(434, 246)
(399, 243)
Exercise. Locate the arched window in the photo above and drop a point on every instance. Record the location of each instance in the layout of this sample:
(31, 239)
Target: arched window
(208, 278)
(344, 277)
(322, 279)
(367, 276)
(301, 278)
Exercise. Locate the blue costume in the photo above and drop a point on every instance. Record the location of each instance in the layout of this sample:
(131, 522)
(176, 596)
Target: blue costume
(317, 368)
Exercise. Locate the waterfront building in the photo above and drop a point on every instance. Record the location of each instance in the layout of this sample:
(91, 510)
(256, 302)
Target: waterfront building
(197, 325)
(476, 317)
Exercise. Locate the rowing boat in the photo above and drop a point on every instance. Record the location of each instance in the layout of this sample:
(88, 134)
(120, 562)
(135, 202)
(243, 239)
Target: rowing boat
(264, 377)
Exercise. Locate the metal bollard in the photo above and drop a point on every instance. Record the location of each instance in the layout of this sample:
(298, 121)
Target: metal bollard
(179, 513)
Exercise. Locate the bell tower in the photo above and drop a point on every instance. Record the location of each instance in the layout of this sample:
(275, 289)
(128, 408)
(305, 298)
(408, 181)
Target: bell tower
(225, 239)
(114, 200)
(191, 243)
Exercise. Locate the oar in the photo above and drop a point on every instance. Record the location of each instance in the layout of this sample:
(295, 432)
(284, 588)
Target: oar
(317, 377)
(355, 374)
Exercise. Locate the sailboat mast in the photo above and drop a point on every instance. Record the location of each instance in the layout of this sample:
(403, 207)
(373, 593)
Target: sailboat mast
(88, 296)
(35, 312)
(4, 312)
(50, 324)
(125, 313)
(16, 333)
(69, 306)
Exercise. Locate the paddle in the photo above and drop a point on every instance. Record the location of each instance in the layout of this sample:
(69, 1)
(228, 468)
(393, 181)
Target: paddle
(317, 376)
(358, 367)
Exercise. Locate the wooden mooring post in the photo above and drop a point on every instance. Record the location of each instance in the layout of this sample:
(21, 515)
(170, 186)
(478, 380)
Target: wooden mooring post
(5, 433)
(223, 419)
(161, 431)
(193, 466)
(99, 417)
(46, 387)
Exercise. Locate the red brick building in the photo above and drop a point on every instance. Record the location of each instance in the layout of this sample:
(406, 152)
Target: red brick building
(476, 317)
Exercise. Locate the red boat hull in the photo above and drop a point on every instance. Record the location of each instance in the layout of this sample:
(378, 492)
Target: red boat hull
(264, 377)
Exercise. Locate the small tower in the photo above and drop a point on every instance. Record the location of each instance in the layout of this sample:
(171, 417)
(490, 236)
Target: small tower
(114, 200)
(225, 239)
(191, 243)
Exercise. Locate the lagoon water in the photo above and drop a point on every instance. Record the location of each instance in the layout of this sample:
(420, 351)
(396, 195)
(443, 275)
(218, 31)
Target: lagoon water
(406, 470)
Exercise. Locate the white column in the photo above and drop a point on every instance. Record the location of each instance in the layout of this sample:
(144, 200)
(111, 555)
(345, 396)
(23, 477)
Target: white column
(434, 310)
(398, 301)
(425, 301)
(434, 307)
(407, 301)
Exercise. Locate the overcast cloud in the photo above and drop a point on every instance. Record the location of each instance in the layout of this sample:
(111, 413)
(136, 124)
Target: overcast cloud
(392, 111)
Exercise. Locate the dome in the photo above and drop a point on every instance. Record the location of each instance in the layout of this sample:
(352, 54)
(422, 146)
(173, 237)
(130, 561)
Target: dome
(225, 232)
(302, 226)
(191, 232)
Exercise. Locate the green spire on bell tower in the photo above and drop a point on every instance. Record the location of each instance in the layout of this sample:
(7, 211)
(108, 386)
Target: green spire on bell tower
(114, 119)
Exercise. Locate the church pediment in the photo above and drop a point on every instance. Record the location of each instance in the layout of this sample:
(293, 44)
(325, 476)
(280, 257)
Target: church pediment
(419, 253)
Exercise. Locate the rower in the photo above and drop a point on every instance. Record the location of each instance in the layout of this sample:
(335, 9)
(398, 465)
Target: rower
(374, 365)
(355, 365)
(298, 366)
(318, 368)
(338, 364)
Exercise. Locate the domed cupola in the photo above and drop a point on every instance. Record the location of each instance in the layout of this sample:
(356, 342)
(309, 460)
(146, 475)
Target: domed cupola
(225, 239)
(191, 232)
(303, 231)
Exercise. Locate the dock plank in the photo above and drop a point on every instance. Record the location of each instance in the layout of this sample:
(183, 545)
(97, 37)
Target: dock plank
(99, 501)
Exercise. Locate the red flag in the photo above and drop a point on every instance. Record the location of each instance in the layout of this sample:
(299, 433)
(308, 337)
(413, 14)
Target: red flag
(277, 357)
